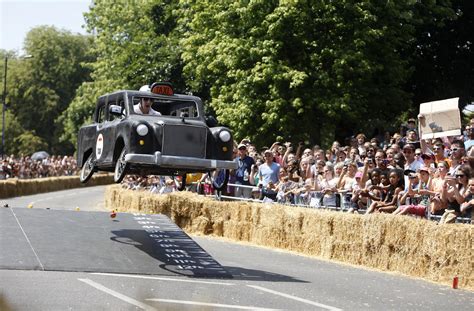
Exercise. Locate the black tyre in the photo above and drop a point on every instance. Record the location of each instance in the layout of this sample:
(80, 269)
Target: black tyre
(121, 167)
(219, 178)
(180, 183)
(87, 169)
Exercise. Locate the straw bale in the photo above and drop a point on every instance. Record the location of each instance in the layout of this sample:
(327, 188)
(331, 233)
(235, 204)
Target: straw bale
(18, 187)
(404, 244)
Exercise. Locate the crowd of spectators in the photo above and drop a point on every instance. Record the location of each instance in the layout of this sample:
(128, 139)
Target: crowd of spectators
(23, 167)
(395, 173)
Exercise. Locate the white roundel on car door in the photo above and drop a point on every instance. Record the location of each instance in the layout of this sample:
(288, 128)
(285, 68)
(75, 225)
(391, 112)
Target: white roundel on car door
(99, 146)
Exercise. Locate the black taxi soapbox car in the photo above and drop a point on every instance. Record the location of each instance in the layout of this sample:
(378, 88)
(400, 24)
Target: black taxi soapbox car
(154, 132)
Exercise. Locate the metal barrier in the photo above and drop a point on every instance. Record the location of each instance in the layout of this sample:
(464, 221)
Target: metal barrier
(314, 199)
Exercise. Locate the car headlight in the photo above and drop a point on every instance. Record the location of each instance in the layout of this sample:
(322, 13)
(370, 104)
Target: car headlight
(142, 129)
(224, 136)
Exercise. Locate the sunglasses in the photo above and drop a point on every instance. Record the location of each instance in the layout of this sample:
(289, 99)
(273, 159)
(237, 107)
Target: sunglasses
(436, 148)
(417, 154)
(460, 175)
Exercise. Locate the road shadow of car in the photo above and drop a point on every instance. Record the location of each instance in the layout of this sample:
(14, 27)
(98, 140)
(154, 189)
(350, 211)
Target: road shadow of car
(176, 252)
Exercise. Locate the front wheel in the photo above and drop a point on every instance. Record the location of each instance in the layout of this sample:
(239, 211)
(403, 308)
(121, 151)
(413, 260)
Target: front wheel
(219, 178)
(87, 169)
(121, 167)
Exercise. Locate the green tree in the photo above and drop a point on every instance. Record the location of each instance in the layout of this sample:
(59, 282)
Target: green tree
(444, 54)
(135, 45)
(292, 68)
(42, 87)
(12, 130)
(28, 143)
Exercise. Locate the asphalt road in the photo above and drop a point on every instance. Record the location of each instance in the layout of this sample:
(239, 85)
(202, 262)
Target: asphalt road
(104, 269)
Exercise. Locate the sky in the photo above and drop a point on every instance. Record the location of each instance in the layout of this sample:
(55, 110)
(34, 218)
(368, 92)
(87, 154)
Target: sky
(17, 17)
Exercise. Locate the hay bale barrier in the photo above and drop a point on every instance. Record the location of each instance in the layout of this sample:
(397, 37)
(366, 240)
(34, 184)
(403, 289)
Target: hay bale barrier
(414, 247)
(15, 187)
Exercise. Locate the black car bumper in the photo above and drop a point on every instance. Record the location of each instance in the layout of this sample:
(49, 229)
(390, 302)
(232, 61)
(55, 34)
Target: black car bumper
(167, 161)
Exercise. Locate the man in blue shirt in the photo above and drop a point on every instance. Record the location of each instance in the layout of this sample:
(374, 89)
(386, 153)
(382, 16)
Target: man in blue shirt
(242, 173)
(269, 173)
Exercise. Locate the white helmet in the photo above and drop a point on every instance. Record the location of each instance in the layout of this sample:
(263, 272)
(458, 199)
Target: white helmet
(145, 88)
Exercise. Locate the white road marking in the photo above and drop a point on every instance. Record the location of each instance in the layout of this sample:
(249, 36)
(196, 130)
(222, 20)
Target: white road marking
(109, 291)
(317, 304)
(162, 278)
(207, 304)
(28, 240)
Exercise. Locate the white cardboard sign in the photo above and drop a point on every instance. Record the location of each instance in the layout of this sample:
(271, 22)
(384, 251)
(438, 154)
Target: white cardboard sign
(442, 118)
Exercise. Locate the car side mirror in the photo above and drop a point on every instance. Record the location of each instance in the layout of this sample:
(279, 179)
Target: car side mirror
(211, 121)
(115, 110)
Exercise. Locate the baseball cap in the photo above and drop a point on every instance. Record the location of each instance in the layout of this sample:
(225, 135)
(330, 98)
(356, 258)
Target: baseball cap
(242, 146)
(358, 175)
(408, 172)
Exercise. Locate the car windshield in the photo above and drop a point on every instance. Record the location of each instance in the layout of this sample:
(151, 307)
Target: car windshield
(166, 107)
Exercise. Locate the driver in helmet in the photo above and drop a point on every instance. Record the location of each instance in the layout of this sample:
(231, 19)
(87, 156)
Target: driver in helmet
(144, 107)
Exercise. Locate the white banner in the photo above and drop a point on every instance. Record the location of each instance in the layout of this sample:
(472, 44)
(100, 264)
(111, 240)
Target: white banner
(442, 118)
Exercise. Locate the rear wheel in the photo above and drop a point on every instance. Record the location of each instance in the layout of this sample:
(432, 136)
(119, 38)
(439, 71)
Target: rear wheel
(219, 178)
(121, 167)
(87, 169)
(180, 182)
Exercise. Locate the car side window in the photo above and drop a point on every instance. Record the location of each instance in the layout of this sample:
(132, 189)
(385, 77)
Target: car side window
(101, 114)
(116, 101)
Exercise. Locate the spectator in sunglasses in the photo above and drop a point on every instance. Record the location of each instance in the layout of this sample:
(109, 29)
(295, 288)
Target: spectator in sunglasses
(456, 154)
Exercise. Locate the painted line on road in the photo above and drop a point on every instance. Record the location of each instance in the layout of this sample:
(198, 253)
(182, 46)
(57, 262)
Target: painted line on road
(317, 304)
(207, 304)
(162, 278)
(118, 295)
(27, 239)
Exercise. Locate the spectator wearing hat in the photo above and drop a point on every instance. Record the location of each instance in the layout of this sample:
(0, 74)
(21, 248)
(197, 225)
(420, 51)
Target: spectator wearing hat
(410, 126)
(268, 175)
(418, 192)
(242, 173)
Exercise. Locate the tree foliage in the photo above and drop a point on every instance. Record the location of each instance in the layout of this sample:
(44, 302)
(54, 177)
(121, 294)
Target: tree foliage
(299, 70)
(42, 87)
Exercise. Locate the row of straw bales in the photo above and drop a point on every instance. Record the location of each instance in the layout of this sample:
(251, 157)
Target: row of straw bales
(414, 247)
(18, 187)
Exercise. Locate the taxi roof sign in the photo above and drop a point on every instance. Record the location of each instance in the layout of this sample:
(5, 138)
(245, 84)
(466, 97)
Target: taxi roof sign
(162, 88)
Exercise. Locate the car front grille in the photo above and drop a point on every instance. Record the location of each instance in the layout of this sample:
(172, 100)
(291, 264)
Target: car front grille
(184, 140)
